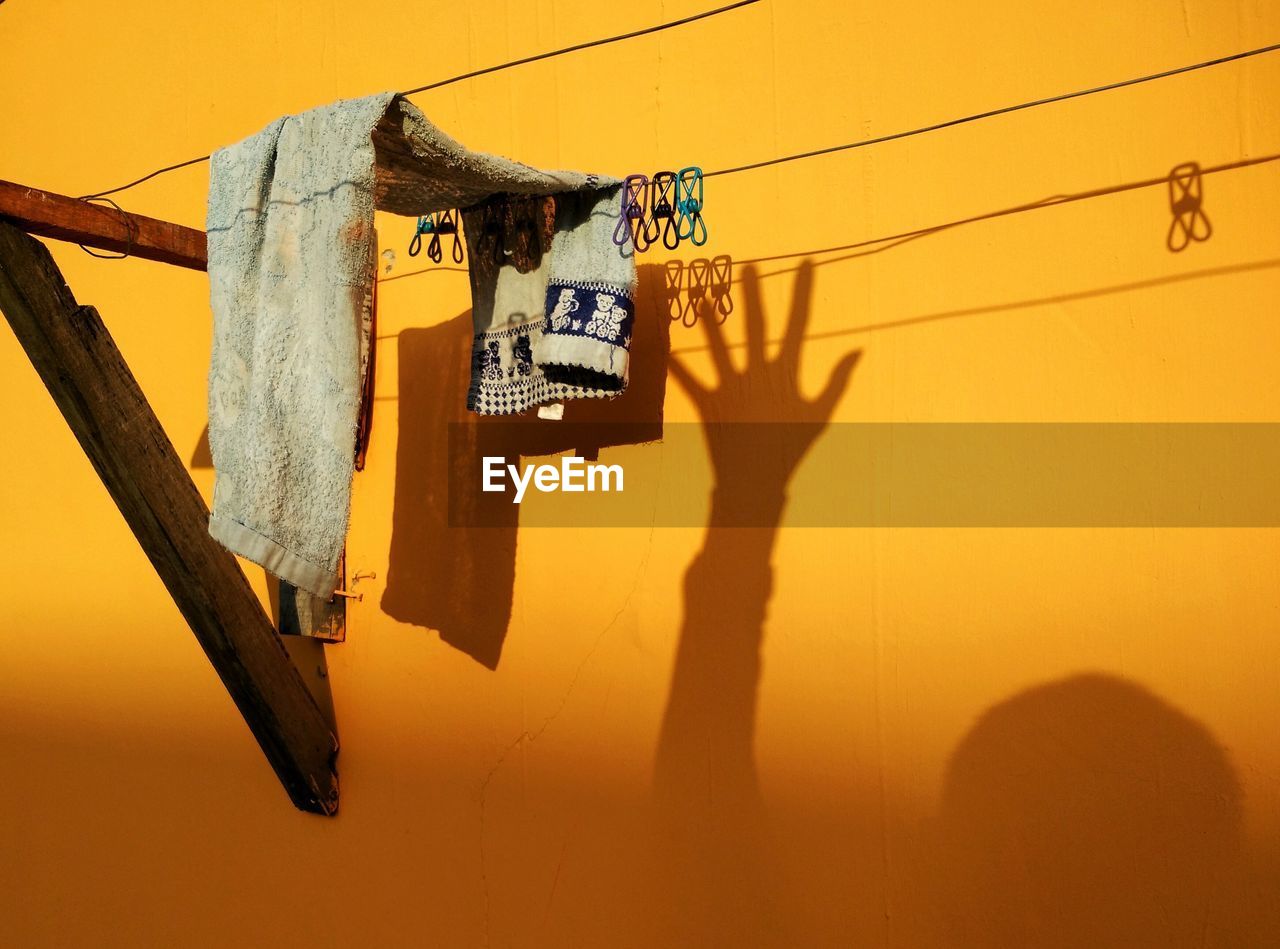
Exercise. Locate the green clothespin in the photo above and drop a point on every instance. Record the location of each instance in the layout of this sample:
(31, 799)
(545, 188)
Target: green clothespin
(690, 225)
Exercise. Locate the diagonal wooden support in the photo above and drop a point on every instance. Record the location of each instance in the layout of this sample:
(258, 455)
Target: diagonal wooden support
(109, 228)
(90, 382)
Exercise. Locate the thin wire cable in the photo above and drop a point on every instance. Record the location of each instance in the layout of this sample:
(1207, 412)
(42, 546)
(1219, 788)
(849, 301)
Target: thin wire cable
(158, 171)
(573, 49)
(478, 72)
(879, 140)
(994, 112)
(130, 229)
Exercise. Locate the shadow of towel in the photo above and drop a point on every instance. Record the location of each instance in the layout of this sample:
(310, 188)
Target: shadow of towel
(459, 580)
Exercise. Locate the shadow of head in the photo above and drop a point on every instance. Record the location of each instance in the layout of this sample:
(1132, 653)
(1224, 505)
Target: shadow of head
(1085, 812)
(459, 580)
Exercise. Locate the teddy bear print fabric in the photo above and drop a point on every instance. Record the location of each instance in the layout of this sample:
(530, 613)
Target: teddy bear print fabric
(552, 301)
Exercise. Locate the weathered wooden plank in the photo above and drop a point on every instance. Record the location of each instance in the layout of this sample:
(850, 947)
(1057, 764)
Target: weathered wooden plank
(101, 226)
(90, 382)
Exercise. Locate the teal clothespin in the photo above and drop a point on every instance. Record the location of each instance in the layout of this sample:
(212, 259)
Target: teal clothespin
(425, 226)
(441, 222)
(689, 205)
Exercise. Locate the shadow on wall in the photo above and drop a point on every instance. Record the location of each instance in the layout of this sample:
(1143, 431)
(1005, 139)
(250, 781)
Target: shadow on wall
(455, 580)
(1082, 813)
(1089, 812)
(307, 654)
(459, 580)
(716, 872)
(1187, 221)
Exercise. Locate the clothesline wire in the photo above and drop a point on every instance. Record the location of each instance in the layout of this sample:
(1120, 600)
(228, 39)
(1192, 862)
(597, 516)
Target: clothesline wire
(992, 113)
(862, 143)
(573, 49)
(480, 72)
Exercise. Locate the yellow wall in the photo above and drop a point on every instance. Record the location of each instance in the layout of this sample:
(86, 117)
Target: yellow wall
(961, 737)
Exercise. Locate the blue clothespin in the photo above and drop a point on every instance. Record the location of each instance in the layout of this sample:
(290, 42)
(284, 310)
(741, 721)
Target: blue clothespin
(424, 226)
(441, 222)
(690, 225)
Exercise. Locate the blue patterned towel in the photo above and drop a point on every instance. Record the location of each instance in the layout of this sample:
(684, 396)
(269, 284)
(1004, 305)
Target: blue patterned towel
(552, 300)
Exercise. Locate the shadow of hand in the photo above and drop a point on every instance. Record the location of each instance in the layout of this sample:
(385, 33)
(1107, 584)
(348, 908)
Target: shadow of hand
(758, 426)
(757, 423)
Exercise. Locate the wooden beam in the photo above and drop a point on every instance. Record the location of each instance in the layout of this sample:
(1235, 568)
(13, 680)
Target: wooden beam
(90, 382)
(101, 226)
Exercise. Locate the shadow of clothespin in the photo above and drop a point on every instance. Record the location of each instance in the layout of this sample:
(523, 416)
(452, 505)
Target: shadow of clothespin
(699, 272)
(1186, 200)
(699, 289)
(436, 224)
(721, 288)
(672, 285)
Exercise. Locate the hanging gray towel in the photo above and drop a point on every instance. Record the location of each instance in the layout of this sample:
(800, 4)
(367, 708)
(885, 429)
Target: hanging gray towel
(291, 267)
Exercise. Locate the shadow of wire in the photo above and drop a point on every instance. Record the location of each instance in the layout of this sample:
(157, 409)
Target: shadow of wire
(1227, 270)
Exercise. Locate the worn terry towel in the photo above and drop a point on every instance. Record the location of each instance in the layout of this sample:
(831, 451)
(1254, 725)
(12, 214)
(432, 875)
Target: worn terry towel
(291, 265)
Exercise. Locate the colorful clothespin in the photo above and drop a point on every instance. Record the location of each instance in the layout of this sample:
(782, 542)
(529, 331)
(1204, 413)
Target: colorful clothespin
(440, 222)
(424, 226)
(662, 202)
(446, 223)
(635, 190)
(666, 207)
(689, 224)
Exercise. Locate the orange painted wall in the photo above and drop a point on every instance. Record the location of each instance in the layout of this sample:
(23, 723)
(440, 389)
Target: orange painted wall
(960, 737)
